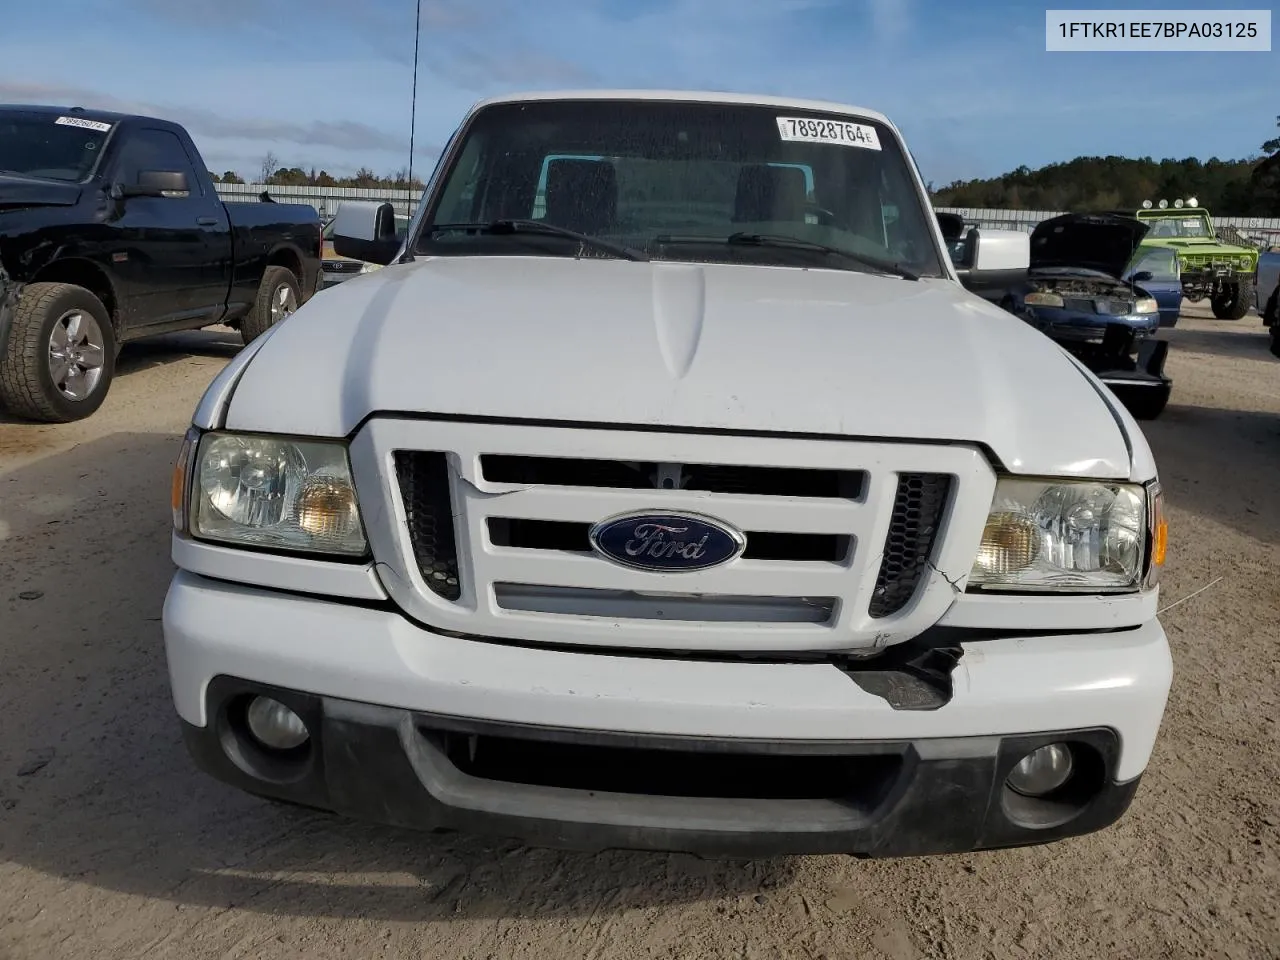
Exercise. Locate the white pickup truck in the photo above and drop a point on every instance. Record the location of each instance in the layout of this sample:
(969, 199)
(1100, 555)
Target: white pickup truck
(668, 490)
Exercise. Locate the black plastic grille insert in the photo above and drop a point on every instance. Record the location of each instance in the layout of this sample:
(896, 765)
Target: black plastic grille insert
(917, 514)
(424, 488)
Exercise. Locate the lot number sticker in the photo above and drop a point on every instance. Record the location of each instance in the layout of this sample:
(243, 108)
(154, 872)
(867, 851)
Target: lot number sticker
(83, 123)
(838, 132)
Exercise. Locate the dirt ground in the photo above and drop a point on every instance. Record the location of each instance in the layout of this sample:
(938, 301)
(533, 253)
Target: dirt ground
(111, 844)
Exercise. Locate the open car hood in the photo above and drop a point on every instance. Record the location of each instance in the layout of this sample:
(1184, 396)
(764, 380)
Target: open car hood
(1102, 241)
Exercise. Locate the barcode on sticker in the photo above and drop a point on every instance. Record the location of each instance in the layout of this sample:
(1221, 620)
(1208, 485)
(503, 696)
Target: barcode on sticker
(839, 132)
(83, 123)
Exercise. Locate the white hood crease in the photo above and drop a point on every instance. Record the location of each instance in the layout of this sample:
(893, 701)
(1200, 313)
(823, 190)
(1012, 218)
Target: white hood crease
(704, 346)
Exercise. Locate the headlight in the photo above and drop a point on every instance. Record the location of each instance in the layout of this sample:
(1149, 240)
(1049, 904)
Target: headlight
(1146, 305)
(1042, 300)
(277, 493)
(1064, 535)
(370, 267)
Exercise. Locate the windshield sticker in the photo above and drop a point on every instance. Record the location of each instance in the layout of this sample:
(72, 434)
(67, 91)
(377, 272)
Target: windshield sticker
(1190, 224)
(836, 132)
(83, 124)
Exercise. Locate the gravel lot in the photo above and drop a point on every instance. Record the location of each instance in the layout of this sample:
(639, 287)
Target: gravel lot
(113, 846)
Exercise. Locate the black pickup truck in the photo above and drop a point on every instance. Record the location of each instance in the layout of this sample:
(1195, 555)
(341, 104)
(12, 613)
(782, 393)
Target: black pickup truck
(111, 230)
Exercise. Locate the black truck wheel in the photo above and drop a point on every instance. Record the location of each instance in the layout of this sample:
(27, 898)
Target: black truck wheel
(1231, 302)
(61, 354)
(278, 296)
(1275, 340)
(1271, 315)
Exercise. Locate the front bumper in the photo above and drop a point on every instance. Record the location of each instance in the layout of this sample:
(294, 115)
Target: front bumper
(388, 704)
(1068, 327)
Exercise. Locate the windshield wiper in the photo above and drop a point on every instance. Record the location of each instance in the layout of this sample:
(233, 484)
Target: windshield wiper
(508, 227)
(798, 243)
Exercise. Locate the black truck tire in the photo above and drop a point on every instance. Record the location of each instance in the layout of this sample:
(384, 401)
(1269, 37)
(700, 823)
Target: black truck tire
(1275, 341)
(1231, 303)
(1271, 315)
(60, 357)
(278, 296)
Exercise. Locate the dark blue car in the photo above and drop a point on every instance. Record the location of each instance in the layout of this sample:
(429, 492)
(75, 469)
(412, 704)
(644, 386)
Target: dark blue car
(1088, 272)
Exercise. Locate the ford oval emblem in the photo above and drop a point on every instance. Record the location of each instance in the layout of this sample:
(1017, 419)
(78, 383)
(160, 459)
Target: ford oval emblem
(667, 542)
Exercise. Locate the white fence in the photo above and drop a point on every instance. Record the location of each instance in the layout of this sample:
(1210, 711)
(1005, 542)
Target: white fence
(1265, 231)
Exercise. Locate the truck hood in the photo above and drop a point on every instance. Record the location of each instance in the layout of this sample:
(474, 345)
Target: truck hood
(709, 346)
(20, 191)
(1203, 245)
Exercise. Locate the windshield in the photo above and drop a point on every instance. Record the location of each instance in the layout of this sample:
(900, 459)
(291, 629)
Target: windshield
(677, 180)
(1191, 227)
(50, 146)
(1160, 262)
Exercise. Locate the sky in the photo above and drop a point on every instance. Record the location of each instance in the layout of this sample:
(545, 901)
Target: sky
(328, 83)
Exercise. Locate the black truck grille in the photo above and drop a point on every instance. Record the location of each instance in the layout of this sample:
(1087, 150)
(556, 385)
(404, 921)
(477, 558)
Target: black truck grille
(917, 515)
(424, 488)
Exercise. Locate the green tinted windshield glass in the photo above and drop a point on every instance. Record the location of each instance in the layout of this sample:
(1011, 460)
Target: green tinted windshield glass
(1193, 226)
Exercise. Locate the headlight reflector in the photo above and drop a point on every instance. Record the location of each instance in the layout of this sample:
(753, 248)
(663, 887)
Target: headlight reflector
(1063, 535)
(277, 493)
(1041, 299)
(1146, 305)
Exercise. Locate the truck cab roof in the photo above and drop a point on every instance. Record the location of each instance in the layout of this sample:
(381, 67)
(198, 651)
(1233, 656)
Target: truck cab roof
(687, 96)
(104, 116)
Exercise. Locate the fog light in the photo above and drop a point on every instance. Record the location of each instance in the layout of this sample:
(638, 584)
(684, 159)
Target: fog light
(274, 725)
(1042, 770)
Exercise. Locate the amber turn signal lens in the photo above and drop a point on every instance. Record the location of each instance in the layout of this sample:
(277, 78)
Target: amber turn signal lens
(1159, 535)
(1010, 542)
(179, 482)
(327, 509)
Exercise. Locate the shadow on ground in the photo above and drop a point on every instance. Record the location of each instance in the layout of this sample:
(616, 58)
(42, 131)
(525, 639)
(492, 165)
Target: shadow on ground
(1221, 464)
(96, 788)
(220, 343)
(1245, 339)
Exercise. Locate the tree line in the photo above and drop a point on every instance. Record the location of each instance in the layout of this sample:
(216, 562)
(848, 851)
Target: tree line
(273, 174)
(1228, 188)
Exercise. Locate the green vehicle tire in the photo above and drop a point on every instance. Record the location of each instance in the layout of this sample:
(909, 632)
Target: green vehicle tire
(1231, 303)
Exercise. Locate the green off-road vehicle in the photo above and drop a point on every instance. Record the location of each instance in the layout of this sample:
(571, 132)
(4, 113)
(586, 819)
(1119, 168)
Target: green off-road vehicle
(1210, 267)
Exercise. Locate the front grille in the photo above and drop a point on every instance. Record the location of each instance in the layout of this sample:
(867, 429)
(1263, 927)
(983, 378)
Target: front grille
(839, 534)
(424, 488)
(917, 514)
(1099, 305)
(342, 266)
(641, 475)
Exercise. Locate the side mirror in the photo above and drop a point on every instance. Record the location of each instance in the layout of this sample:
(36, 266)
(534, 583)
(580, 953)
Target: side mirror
(1001, 250)
(366, 230)
(996, 260)
(153, 183)
(951, 224)
(1142, 276)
